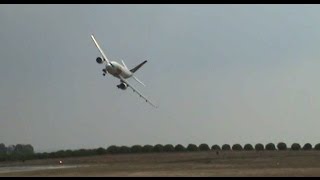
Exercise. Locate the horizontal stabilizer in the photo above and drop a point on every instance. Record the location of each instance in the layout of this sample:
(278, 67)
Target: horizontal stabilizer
(138, 80)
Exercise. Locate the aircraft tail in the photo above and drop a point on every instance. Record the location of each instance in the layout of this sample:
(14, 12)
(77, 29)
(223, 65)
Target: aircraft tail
(133, 70)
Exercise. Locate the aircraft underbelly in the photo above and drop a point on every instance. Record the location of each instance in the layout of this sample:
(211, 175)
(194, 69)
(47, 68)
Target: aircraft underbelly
(118, 72)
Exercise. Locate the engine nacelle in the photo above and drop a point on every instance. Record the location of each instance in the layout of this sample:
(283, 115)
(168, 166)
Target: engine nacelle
(99, 60)
(122, 86)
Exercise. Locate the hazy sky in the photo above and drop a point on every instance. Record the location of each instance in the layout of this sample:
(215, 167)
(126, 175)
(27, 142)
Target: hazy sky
(219, 73)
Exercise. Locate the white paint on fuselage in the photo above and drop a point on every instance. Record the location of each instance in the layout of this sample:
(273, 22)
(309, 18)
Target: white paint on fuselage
(117, 69)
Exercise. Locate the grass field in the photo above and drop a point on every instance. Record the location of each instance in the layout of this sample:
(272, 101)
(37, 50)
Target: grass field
(277, 163)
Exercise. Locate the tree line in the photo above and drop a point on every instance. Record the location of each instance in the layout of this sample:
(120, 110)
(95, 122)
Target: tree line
(26, 152)
(16, 152)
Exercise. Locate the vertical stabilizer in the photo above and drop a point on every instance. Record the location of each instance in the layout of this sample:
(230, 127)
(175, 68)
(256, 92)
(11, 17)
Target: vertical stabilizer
(133, 70)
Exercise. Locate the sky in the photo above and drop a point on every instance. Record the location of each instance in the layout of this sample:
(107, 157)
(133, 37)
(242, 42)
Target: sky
(220, 74)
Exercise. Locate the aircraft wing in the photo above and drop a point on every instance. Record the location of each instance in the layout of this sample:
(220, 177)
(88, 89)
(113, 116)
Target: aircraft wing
(125, 81)
(101, 51)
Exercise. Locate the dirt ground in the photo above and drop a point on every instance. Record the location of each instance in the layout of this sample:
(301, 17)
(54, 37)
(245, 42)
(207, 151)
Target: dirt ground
(277, 163)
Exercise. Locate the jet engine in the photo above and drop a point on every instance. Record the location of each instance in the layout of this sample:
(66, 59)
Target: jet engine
(122, 86)
(99, 60)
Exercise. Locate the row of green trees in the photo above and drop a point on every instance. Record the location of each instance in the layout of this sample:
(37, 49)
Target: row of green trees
(205, 147)
(16, 152)
(25, 152)
(158, 148)
(14, 149)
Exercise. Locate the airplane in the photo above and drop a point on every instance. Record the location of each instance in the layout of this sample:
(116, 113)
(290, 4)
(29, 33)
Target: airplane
(120, 71)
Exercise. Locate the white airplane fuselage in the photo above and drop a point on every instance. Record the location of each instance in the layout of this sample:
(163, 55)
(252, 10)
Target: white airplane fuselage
(118, 70)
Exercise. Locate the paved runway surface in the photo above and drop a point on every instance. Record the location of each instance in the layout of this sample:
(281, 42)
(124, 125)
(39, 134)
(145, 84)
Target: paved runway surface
(225, 163)
(34, 168)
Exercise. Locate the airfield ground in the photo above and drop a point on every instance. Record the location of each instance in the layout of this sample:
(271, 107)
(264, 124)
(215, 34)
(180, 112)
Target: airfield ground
(264, 163)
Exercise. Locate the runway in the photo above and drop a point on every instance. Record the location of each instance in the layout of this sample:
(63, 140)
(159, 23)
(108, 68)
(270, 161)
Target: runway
(34, 168)
(226, 163)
